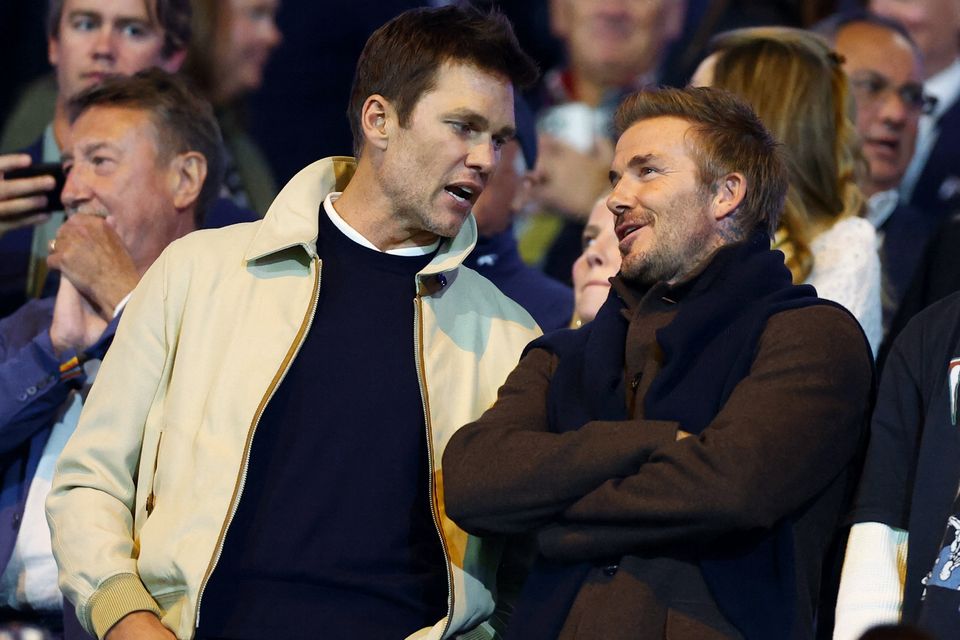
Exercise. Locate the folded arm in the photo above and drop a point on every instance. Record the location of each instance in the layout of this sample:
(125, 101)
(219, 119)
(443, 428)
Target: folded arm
(508, 473)
(788, 429)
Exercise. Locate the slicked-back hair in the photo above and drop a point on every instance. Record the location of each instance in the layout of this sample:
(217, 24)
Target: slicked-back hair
(831, 26)
(401, 59)
(727, 137)
(172, 16)
(183, 121)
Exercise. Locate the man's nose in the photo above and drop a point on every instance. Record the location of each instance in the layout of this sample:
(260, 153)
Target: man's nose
(104, 45)
(75, 190)
(483, 157)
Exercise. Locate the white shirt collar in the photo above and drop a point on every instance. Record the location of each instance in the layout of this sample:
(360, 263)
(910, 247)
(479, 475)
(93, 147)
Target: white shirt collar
(880, 206)
(357, 237)
(944, 86)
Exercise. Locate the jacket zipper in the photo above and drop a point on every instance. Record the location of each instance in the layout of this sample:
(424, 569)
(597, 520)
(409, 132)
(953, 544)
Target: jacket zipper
(434, 510)
(277, 379)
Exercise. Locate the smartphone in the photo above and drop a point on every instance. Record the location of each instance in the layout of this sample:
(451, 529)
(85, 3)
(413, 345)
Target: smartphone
(44, 169)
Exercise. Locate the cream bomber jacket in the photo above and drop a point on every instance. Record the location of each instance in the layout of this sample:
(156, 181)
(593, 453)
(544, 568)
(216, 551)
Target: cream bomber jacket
(146, 488)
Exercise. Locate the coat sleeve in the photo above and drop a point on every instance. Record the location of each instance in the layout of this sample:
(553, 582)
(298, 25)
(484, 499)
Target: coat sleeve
(788, 429)
(508, 473)
(34, 381)
(93, 497)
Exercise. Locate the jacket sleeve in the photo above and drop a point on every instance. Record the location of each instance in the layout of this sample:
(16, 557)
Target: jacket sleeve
(508, 473)
(92, 500)
(34, 382)
(788, 429)
(871, 585)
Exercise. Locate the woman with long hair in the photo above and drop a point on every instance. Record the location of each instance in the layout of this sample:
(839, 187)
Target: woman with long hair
(795, 83)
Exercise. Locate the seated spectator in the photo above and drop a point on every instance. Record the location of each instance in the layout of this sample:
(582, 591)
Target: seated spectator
(797, 87)
(886, 79)
(495, 256)
(232, 42)
(599, 262)
(901, 560)
(87, 42)
(144, 162)
(932, 181)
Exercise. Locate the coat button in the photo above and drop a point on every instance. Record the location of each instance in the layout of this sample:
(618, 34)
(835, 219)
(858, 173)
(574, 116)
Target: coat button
(16, 521)
(610, 569)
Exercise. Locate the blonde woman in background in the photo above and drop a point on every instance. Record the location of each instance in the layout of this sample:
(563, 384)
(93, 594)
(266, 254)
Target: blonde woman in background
(794, 82)
(599, 262)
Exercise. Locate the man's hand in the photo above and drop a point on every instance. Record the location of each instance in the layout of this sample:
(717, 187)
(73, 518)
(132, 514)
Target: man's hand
(91, 255)
(76, 324)
(19, 196)
(570, 181)
(139, 625)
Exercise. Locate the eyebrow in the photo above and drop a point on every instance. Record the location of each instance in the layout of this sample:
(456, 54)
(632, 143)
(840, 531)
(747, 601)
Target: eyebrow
(93, 147)
(482, 122)
(121, 21)
(633, 163)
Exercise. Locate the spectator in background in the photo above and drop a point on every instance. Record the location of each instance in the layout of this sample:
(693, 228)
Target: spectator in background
(232, 41)
(496, 256)
(903, 555)
(145, 161)
(86, 42)
(886, 78)
(932, 181)
(798, 88)
(599, 262)
(613, 47)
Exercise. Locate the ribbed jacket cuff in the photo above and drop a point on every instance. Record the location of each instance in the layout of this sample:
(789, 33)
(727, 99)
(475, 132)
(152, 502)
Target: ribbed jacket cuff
(117, 596)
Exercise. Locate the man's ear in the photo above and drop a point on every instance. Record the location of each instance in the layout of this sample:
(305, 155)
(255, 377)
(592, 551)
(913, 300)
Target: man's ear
(188, 171)
(174, 61)
(730, 192)
(377, 117)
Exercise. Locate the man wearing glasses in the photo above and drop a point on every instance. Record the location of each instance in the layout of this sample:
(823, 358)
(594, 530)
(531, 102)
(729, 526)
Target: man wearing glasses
(886, 77)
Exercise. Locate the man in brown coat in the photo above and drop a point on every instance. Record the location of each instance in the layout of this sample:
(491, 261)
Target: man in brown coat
(684, 460)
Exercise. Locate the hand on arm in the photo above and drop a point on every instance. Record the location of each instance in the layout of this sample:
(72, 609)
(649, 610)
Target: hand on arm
(568, 180)
(20, 196)
(139, 625)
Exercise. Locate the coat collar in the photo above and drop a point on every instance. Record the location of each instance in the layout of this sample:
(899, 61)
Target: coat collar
(292, 220)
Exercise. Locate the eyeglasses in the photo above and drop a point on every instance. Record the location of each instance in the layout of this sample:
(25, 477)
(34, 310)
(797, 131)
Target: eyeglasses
(871, 87)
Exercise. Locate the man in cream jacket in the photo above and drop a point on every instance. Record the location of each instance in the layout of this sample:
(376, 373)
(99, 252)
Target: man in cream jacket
(260, 456)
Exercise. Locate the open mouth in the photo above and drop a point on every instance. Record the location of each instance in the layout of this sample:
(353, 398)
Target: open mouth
(463, 193)
(625, 230)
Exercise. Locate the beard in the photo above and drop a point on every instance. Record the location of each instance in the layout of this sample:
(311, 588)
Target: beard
(682, 243)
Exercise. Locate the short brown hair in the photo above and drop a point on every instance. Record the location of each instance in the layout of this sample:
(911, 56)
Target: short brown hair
(173, 16)
(729, 138)
(184, 121)
(401, 58)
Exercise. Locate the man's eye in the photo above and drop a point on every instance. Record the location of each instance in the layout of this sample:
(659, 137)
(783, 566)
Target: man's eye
(83, 23)
(647, 171)
(134, 31)
(463, 128)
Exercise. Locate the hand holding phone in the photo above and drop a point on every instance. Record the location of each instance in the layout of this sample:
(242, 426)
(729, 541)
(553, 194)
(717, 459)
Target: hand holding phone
(28, 192)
